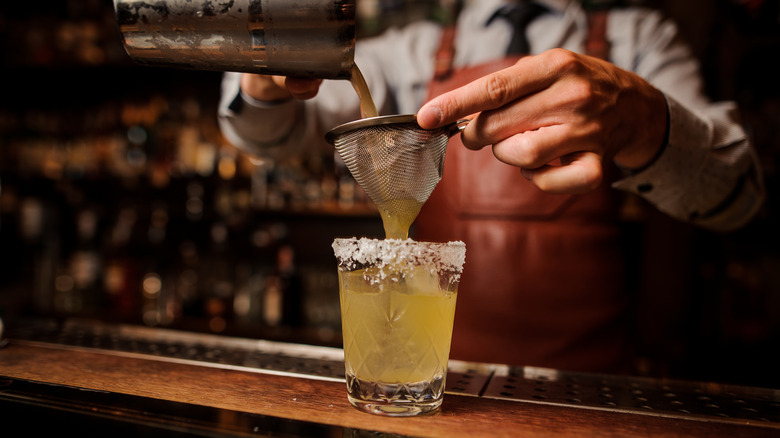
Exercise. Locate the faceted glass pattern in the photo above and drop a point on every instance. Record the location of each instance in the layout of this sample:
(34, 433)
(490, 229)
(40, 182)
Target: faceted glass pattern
(397, 327)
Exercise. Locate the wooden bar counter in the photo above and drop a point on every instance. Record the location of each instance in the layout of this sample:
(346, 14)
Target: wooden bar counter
(139, 391)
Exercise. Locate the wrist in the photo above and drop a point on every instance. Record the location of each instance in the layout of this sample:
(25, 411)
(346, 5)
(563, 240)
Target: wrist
(651, 142)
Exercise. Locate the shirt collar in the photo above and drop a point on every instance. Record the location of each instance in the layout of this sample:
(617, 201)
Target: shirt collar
(485, 9)
(555, 5)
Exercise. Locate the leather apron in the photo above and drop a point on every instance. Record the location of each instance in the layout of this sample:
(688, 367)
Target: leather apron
(544, 279)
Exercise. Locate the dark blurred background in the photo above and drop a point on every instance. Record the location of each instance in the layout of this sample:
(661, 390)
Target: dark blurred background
(120, 200)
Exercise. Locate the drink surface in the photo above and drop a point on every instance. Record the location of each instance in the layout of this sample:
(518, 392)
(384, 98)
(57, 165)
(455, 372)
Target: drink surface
(396, 331)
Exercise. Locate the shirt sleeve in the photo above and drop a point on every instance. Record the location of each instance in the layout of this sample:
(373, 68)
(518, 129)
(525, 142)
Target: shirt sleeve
(268, 130)
(708, 173)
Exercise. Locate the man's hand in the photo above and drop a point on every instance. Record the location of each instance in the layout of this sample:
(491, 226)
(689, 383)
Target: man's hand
(275, 88)
(558, 115)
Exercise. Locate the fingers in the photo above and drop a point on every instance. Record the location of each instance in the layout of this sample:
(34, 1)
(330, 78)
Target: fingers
(487, 93)
(533, 149)
(483, 94)
(264, 88)
(301, 88)
(554, 158)
(493, 126)
(578, 173)
(274, 88)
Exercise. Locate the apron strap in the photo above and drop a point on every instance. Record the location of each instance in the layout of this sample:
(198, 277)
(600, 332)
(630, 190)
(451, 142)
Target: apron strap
(445, 54)
(596, 44)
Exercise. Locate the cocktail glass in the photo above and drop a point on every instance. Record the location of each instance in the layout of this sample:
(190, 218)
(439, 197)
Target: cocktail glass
(397, 310)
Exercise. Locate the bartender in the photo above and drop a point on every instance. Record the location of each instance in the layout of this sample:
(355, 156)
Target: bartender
(567, 106)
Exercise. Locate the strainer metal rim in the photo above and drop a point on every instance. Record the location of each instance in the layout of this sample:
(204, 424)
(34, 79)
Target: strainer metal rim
(330, 137)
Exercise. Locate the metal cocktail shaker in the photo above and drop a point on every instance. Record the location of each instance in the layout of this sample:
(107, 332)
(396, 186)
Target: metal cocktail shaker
(302, 38)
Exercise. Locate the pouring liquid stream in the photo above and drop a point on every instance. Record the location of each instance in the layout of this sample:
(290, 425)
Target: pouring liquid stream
(397, 214)
(367, 106)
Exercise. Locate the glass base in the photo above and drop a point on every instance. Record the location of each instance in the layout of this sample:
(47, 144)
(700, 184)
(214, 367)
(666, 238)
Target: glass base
(395, 399)
(396, 409)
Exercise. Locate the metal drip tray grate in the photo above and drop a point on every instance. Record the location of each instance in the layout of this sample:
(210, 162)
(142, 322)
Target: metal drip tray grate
(522, 384)
(322, 363)
(633, 394)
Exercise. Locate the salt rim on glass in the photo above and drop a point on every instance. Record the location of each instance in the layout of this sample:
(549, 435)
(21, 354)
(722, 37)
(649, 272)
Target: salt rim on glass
(400, 255)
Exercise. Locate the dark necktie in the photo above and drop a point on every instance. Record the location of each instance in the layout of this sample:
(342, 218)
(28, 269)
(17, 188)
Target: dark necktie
(520, 16)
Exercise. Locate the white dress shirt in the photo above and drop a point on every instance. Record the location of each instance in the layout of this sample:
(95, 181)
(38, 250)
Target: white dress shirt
(708, 173)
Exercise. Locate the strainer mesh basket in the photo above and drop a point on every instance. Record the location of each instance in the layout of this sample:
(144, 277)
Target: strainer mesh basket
(393, 162)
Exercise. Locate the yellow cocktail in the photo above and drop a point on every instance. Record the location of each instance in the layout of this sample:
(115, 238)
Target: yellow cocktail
(397, 308)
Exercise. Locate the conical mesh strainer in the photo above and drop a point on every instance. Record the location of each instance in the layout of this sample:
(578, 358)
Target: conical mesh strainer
(395, 161)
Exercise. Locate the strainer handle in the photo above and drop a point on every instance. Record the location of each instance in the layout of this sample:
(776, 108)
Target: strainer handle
(458, 126)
